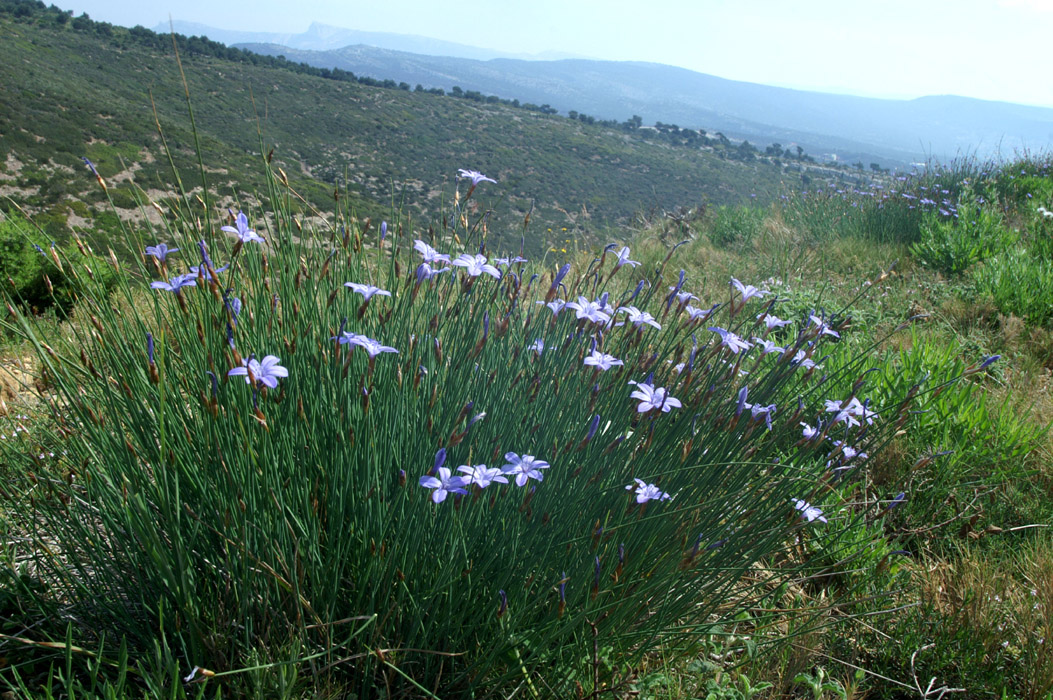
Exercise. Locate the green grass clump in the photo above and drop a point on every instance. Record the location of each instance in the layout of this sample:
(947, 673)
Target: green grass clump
(271, 528)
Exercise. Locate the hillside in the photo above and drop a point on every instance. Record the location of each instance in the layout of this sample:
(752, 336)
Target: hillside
(73, 87)
(855, 128)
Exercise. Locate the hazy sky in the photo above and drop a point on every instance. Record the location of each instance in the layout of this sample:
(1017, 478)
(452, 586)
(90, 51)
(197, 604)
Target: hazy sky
(990, 49)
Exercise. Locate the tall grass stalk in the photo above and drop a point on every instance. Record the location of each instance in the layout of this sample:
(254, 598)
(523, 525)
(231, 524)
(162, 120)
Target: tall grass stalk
(235, 521)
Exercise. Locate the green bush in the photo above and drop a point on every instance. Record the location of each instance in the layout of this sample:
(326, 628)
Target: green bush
(28, 261)
(953, 245)
(735, 226)
(287, 523)
(1019, 283)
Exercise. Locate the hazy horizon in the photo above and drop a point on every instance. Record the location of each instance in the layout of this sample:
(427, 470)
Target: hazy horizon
(985, 49)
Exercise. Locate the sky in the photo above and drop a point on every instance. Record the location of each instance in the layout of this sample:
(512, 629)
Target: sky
(988, 49)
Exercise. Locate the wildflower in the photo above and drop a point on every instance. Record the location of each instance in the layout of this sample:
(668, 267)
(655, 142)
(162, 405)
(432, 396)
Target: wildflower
(623, 259)
(160, 251)
(639, 318)
(537, 346)
(768, 346)
(808, 511)
(748, 291)
(474, 175)
(481, 475)
(383, 230)
(593, 311)
(647, 492)
(556, 305)
(176, 283)
(682, 297)
(849, 412)
(367, 290)
(508, 262)
(266, 371)
(430, 254)
(196, 270)
(525, 467)
(601, 360)
(372, 347)
(773, 322)
(802, 360)
(757, 411)
(823, 328)
(346, 337)
(244, 233)
(810, 433)
(897, 501)
(651, 398)
(694, 314)
(731, 341)
(444, 483)
(476, 265)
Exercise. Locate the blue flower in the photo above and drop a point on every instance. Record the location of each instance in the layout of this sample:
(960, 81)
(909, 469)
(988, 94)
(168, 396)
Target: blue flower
(367, 290)
(474, 175)
(160, 251)
(647, 492)
(244, 233)
(481, 475)
(266, 371)
(525, 467)
(176, 283)
(444, 483)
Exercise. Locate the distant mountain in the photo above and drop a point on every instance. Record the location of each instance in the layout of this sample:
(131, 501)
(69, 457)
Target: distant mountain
(322, 37)
(82, 88)
(853, 128)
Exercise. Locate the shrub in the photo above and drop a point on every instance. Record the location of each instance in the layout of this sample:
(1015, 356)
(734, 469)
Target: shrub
(952, 244)
(310, 511)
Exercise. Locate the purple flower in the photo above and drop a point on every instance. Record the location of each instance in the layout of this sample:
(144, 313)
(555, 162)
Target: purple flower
(372, 347)
(623, 259)
(850, 412)
(346, 337)
(474, 175)
(592, 311)
(176, 283)
(824, 329)
(476, 265)
(556, 305)
(808, 511)
(681, 297)
(266, 371)
(810, 433)
(537, 346)
(150, 347)
(244, 233)
(767, 345)
(694, 314)
(802, 360)
(383, 230)
(367, 290)
(196, 269)
(651, 398)
(481, 475)
(748, 291)
(647, 492)
(444, 483)
(601, 360)
(160, 251)
(771, 322)
(638, 318)
(731, 341)
(757, 411)
(525, 467)
(430, 254)
(427, 272)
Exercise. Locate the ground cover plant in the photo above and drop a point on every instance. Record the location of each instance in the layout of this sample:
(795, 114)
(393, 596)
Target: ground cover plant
(361, 460)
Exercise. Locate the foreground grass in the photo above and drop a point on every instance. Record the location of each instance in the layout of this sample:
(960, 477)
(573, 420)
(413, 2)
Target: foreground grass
(953, 584)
